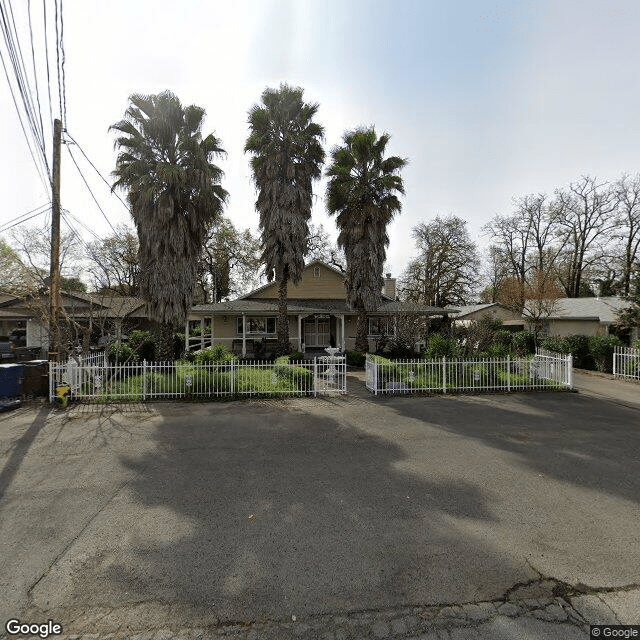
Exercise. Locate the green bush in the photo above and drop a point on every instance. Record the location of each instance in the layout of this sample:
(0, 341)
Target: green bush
(503, 337)
(601, 348)
(439, 346)
(557, 344)
(296, 355)
(523, 343)
(143, 343)
(218, 354)
(496, 350)
(120, 353)
(578, 346)
(355, 358)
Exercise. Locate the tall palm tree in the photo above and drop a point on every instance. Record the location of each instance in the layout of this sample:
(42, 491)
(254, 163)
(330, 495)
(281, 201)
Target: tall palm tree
(165, 166)
(287, 157)
(363, 191)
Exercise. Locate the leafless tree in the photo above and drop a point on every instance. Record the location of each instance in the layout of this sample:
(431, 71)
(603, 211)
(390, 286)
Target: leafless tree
(445, 271)
(628, 198)
(586, 213)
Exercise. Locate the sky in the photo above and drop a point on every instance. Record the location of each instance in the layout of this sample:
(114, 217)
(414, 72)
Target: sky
(487, 100)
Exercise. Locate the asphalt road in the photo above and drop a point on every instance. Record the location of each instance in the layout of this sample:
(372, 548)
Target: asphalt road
(236, 512)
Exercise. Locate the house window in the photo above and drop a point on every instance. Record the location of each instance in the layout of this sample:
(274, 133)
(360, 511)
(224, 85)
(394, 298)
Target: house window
(316, 272)
(381, 326)
(263, 326)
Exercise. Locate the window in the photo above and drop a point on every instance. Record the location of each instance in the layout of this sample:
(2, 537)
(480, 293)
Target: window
(316, 272)
(257, 325)
(381, 326)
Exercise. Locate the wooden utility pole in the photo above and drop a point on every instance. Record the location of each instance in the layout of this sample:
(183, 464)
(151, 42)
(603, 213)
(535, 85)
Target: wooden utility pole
(54, 273)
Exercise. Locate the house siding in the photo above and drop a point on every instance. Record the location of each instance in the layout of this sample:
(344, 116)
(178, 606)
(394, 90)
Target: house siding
(328, 285)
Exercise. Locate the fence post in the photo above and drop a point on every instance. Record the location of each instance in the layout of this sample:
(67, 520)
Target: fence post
(144, 379)
(570, 370)
(51, 382)
(232, 378)
(615, 361)
(509, 373)
(315, 376)
(444, 374)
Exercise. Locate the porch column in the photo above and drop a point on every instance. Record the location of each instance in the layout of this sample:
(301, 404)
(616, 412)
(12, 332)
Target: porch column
(244, 336)
(186, 335)
(344, 340)
(300, 333)
(202, 332)
(118, 331)
(212, 332)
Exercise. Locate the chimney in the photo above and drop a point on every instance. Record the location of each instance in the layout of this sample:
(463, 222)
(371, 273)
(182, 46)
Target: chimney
(389, 287)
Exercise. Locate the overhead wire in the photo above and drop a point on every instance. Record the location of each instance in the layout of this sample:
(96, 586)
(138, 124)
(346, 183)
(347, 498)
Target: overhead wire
(46, 50)
(63, 116)
(8, 226)
(90, 191)
(59, 74)
(35, 75)
(82, 151)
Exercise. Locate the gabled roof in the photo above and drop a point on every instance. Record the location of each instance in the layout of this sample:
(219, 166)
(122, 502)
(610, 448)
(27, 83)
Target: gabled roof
(604, 310)
(307, 266)
(466, 310)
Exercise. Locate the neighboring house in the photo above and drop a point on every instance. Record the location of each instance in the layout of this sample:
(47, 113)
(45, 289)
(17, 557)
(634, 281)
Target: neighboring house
(493, 311)
(586, 316)
(95, 313)
(319, 316)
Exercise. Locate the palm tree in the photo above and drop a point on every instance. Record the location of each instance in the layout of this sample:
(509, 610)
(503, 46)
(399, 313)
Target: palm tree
(362, 190)
(287, 158)
(166, 168)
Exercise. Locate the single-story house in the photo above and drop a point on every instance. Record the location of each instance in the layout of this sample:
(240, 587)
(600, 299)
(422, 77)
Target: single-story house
(494, 311)
(103, 313)
(586, 316)
(318, 316)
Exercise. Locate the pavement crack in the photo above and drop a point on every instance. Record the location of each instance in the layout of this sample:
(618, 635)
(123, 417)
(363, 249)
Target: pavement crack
(74, 539)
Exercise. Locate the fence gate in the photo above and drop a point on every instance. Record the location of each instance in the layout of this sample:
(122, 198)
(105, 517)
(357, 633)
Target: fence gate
(330, 375)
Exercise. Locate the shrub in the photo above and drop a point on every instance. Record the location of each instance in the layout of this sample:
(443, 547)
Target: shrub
(523, 343)
(355, 358)
(557, 344)
(296, 355)
(218, 354)
(503, 337)
(120, 353)
(143, 343)
(438, 347)
(578, 346)
(496, 350)
(601, 348)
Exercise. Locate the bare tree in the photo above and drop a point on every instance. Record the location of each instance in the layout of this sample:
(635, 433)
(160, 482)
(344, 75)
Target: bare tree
(320, 247)
(586, 217)
(628, 198)
(445, 271)
(113, 262)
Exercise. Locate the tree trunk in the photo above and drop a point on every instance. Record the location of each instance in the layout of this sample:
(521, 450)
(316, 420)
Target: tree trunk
(284, 346)
(164, 332)
(362, 331)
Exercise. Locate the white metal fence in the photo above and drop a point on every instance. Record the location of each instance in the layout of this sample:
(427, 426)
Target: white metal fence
(182, 379)
(545, 370)
(626, 363)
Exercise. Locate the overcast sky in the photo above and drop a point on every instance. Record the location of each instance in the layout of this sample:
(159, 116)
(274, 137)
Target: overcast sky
(487, 100)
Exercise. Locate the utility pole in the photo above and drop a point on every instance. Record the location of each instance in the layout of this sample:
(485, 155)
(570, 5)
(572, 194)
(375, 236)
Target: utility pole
(54, 273)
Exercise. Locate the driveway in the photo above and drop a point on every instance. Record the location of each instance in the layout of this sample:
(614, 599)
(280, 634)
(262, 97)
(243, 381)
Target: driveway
(503, 516)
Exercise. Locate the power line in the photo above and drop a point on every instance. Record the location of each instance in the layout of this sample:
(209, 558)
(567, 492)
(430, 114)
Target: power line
(35, 73)
(115, 193)
(82, 224)
(58, 60)
(63, 115)
(46, 50)
(15, 224)
(90, 191)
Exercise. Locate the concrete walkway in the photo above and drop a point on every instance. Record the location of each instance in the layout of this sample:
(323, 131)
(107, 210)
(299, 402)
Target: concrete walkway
(606, 387)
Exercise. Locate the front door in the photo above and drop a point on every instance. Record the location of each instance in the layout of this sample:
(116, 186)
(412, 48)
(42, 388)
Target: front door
(316, 331)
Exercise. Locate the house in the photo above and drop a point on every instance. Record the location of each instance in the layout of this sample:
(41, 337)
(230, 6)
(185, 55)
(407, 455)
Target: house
(586, 316)
(493, 311)
(92, 313)
(318, 314)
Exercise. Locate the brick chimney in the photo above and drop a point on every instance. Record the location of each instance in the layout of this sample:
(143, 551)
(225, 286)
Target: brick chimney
(389, 287)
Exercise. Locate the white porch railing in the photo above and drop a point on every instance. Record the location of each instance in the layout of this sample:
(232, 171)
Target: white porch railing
(183, 379)
(626, 363)
(545, 370)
